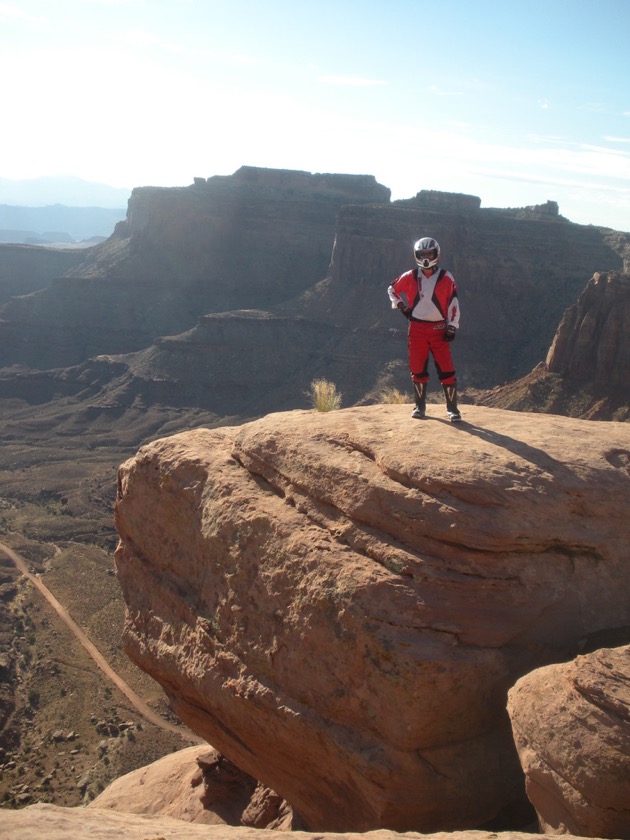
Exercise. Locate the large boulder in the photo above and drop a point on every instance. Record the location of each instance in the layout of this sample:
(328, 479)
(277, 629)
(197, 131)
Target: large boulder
(571, 725)
(340, 602)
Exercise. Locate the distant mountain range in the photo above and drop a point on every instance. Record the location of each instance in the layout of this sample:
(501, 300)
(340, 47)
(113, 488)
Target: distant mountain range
(57, 224)
(59, 210)
(61, 189)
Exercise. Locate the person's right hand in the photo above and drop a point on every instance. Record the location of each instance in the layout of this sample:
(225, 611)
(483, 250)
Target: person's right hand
(406, 310)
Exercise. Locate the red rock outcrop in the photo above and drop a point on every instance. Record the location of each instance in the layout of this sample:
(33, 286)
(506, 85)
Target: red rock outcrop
(571, 725)
(340, 602)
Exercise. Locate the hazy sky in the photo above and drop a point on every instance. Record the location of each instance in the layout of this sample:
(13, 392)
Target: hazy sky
(515, 101)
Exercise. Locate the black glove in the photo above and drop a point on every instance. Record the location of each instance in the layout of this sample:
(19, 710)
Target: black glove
(406, 310)
(449, 333)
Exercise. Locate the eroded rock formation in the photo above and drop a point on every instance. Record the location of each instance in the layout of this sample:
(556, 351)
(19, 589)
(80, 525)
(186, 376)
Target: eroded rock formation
(339, 603)
(571, 725)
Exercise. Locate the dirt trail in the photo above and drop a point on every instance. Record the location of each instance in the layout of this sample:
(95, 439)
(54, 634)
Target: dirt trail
(138, 703)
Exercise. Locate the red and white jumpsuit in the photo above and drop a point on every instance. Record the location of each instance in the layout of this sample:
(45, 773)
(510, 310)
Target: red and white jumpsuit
(434, 306)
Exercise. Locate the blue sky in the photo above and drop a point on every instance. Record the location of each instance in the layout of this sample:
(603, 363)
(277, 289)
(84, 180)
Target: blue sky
(515, 101)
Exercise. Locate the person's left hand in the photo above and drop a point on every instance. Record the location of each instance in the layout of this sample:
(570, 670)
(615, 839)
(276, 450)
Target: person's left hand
(449, 333)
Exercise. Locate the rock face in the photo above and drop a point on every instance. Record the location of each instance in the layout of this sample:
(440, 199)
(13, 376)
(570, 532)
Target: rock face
(571, 724)
(340, 602)
(586, 372)
(592, 344)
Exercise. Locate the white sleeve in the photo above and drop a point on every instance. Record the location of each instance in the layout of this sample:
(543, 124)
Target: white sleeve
(393, 297)
(453, 313)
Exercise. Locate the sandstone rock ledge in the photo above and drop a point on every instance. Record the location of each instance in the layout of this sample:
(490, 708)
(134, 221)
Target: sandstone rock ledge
(56, 823)
(340, 602)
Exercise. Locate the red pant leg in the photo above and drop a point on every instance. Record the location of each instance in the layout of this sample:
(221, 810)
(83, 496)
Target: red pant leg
(443, 358)
(425, 339)
(419, 350)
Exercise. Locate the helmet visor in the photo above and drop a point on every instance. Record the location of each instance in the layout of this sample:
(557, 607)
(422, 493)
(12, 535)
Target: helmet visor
(426, 254)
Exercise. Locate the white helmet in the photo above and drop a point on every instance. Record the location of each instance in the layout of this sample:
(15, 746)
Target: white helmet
(426, 252)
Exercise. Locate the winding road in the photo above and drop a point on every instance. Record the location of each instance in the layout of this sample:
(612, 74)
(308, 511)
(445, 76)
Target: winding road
(138, 703)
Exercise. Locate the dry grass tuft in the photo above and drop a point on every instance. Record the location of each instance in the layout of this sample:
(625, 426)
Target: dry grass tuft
(324, 395)
(393, 396)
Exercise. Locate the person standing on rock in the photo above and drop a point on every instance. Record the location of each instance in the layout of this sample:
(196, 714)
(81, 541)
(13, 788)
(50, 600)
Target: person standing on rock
(427, 297)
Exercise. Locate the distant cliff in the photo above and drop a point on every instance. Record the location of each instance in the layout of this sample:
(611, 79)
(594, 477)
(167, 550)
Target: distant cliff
(251, 240)
(586, 369)
(592, 344)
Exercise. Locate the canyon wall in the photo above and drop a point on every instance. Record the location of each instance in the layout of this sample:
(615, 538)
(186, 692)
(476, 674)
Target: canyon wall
(249, 240)
(233, 293)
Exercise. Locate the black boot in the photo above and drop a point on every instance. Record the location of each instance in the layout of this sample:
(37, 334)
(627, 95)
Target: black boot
(452, 412)
(420, 393)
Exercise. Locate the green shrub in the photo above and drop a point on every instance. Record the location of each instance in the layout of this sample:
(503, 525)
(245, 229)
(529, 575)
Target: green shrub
(324, 395)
